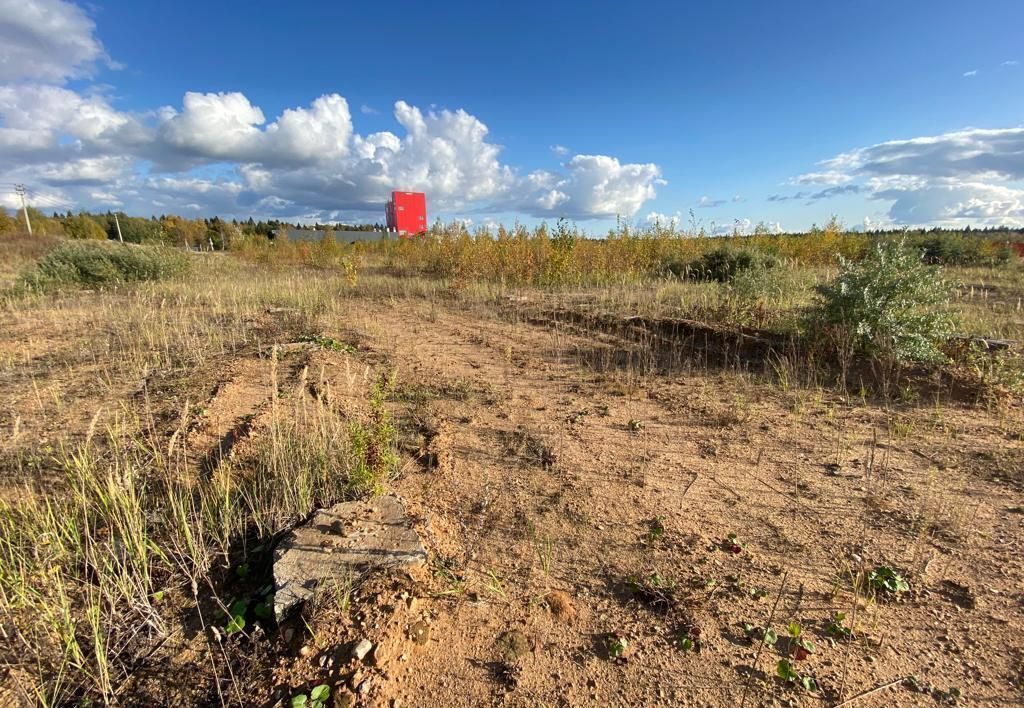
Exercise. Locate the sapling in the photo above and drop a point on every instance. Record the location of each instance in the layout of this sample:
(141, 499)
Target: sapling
(617, 645)
(799, 646)
(885, 579)
(785, 671)
(836, 629)
(237, 621)
(317, 698)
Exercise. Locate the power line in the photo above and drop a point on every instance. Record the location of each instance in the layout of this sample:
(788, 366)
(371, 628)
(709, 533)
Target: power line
(50, 200)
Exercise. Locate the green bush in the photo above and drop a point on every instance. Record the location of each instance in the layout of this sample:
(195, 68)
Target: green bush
(956, 249)
(97, 263)
(761, 284)
(890, 304)
(726, 262)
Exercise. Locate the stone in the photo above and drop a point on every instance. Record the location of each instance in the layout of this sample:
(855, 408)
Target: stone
(420, 633)
(346, 539)
(384, 652)
(513, 645)
(362, 649)
(343, 698)
(561, 606)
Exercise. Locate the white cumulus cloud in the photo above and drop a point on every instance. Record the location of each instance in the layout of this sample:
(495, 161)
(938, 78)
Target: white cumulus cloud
(46, 40)
(601, 186)
(969, 176)
(308, 161)
(657, 218)
(219, 152)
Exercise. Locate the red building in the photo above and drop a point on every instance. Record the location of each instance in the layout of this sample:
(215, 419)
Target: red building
(407, 213)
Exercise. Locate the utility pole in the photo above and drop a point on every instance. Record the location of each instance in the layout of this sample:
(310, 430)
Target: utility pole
(118, 224)
(20, 189)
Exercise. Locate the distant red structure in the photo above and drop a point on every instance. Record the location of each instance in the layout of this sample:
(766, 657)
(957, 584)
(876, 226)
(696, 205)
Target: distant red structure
(407, 213)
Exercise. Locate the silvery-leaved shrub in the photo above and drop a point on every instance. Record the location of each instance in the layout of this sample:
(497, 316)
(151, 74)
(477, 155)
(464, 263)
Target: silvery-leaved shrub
(891, 304)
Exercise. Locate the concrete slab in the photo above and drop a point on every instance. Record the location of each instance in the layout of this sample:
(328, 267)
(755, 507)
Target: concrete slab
(340, 542)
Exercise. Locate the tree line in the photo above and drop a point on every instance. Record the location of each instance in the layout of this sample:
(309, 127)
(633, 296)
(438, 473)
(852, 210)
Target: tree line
(172, 230)
(217, 234)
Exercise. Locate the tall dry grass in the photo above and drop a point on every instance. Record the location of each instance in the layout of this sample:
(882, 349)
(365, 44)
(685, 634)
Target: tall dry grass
(126, 537)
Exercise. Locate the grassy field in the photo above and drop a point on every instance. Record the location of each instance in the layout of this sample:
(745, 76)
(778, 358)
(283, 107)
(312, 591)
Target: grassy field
(640, 478)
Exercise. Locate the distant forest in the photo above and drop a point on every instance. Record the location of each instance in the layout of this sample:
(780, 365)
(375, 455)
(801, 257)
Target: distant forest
(218, 234)
(167, 229)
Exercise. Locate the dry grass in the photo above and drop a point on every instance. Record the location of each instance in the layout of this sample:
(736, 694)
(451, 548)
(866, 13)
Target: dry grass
(118, 518)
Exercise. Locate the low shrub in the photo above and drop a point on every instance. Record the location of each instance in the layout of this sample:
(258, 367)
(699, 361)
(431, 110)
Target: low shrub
(723, 264)
(889, 305)
(96, 263)
(957, 249)
(761, 284)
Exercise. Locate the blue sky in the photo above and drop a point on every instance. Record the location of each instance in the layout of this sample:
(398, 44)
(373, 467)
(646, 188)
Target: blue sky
(898, 113)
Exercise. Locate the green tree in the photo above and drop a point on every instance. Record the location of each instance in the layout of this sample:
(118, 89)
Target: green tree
(8, 224)
(179, 231)
(221, 233)
(135, 229)
(83, 226)
(41, 224)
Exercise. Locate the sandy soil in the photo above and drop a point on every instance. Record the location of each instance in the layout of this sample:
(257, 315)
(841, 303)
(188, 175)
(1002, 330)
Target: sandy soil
(621, 495)
(602, 535)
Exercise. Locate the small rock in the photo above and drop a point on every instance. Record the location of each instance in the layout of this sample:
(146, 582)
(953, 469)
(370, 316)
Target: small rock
(560, 605)
(365, 686)
(306, 650)
(420, 632)
(343, 697)
(513, 644)
(381, 655)
(362, 649)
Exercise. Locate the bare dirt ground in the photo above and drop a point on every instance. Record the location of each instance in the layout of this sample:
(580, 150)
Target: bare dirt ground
(567, 509)
(600, 534)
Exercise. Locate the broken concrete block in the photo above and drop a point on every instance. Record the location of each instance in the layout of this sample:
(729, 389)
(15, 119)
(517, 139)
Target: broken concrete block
(340, 542)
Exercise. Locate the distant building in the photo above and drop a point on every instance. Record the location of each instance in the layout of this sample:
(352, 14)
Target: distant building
(407, 213)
